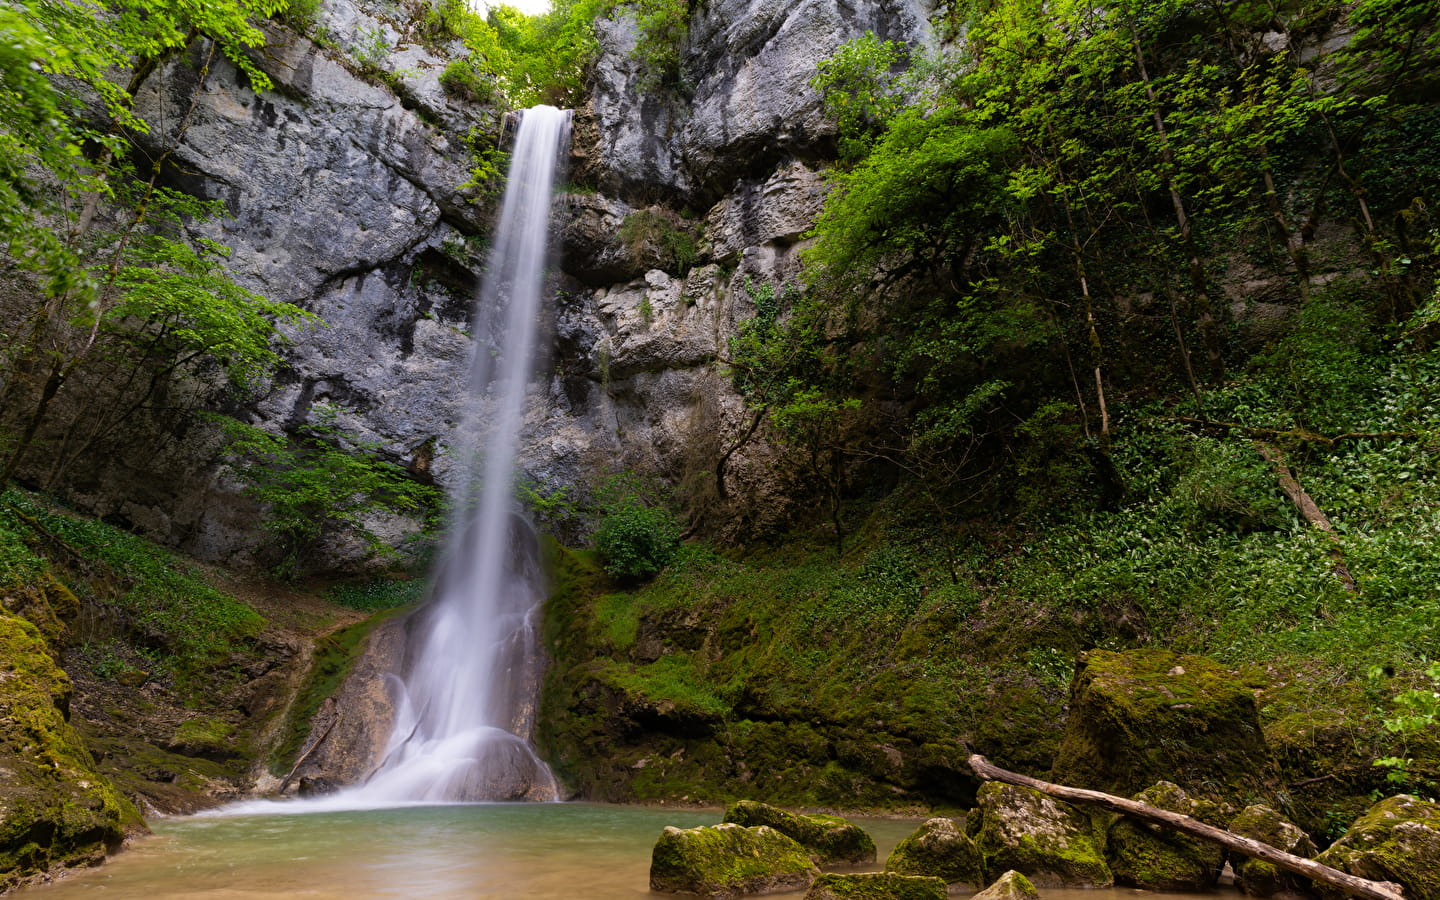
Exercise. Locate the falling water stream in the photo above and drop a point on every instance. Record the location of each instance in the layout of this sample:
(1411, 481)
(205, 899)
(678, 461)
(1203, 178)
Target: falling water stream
(465, 708)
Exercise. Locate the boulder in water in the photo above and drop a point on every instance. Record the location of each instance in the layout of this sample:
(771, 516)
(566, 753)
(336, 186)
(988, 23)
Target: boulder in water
(727, 861)
(1261, 879)
(1158, 859)
(876, 886)
(939, 848)
(1397, 840)
(1047, 840)
(1010, 886)
(1142, 716)
(829, 839)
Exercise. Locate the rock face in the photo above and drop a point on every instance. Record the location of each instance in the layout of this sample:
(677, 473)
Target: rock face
(1262, 879)
(1010, 886)
(1050, 842)
(345, 188)
(876, 886)
(727, 861)
(941, 849)
(1142, 716)
(828, 839)
(1397, 840)
(56, 810)
(1159, 859)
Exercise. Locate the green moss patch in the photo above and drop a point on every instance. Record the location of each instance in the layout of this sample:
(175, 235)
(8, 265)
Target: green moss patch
(829, 839)
(55, 809)
(724, 861)
(876, 886)
(941, 849)
(1397, 840)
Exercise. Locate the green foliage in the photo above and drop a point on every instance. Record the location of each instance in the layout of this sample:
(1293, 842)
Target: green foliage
(664, 27)
(378, 594)
(319, 482)
(858, 90)
(371, 48)
(1415, 711)
(646, 232)
(153, 591)
(636, 535)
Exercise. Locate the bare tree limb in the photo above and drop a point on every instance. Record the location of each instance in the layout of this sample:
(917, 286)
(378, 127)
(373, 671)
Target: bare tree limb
(1309, 868)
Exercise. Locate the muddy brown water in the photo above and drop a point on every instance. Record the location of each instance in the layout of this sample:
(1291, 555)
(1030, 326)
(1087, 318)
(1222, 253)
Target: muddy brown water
(544, 851)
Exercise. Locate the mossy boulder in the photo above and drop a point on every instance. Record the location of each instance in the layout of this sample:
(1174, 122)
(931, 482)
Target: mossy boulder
(1159, 859)
(1010, 886)
(1142, 716)
(1262, 879)
(1051, 842)
(829, 839)
(1397, 840)
(876, 886)
(941, 849)
(56, 810)
(727, 861)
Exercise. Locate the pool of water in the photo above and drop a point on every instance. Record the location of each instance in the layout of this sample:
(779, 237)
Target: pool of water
(544, 851)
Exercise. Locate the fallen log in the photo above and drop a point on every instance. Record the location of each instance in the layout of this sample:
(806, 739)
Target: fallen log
(1350, 884)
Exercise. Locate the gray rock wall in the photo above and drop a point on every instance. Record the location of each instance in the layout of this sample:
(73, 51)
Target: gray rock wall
(347, 200)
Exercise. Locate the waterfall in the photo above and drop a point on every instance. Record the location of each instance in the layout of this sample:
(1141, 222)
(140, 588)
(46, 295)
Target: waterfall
(465, 706)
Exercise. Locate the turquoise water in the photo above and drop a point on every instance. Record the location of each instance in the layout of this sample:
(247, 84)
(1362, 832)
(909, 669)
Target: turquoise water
(544, 851)
(535, 851)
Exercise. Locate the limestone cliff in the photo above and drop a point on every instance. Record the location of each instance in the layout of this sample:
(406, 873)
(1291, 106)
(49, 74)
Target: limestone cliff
(345, 186)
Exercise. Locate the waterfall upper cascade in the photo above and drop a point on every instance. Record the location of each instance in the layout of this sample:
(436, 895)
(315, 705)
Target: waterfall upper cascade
(465, 708)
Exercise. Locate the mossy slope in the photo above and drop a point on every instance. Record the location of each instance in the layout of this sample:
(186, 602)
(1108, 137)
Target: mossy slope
(56, 809)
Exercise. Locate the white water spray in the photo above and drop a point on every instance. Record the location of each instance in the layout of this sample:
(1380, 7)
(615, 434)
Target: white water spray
(465, 710)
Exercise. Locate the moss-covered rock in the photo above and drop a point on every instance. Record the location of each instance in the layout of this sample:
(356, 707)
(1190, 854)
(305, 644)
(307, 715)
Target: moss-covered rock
(1262, 879)
(1010, 886)
(941, 849)
(1397, 840)
(830, 839)
(876, 886)
(726, 861)
(56, 810)
(1160, 859)
(1142, 716)
(1050, 841)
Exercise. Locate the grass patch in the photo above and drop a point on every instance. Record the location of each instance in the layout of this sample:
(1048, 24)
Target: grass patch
(161, 596)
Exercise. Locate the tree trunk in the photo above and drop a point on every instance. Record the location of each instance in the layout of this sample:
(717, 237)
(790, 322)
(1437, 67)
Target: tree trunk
(1309, 868)
(1308, 509)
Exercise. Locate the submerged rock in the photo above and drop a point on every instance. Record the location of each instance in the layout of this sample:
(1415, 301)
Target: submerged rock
(1049, 841)
(1145, 715)
(1397, 840)
(56, 810)
(876, 886)
(1262, 879)
(829, 839)
(1010, 886)
(726, 861)
(1161, 859)
(939, 848)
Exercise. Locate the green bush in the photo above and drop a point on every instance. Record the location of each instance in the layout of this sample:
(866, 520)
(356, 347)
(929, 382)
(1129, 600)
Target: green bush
(637, 536)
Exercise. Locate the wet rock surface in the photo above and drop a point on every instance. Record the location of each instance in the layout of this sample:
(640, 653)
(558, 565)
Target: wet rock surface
(727, 861)
(1051, 842)
(1144, 716)
(1159, 859)
(56, 809)
(828, 839)
(939, 848)
(876, 886)
(1398, 840)
(1009, 886)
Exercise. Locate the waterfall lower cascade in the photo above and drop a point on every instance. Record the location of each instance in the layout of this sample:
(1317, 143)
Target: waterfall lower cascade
(465, 712)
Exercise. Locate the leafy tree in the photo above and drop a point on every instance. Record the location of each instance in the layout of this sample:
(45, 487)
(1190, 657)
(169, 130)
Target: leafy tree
(320, 481)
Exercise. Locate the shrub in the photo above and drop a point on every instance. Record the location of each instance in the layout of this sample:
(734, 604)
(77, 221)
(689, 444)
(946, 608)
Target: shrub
(637, 536)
